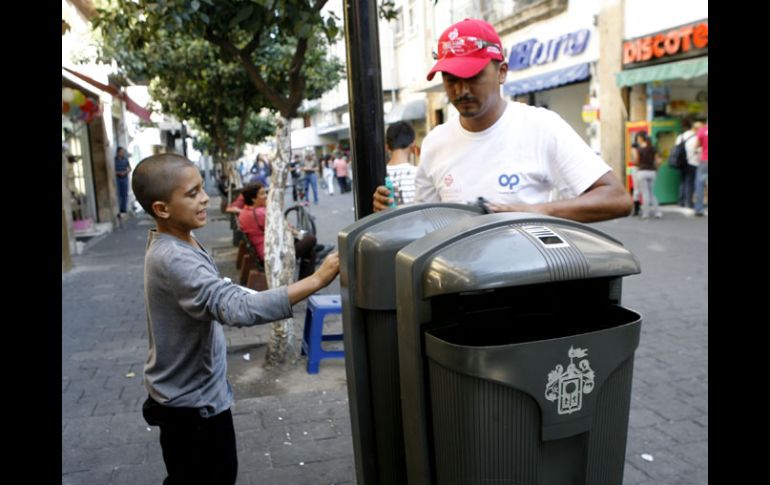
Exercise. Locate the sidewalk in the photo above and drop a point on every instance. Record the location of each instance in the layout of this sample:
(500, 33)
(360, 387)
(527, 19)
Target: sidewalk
(294, 428)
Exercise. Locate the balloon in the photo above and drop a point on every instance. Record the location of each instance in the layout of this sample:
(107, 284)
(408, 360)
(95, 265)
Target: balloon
(78, 98)
(65, 107)
(75, 111)
(67, 95)
(88, 106)
(89, 117)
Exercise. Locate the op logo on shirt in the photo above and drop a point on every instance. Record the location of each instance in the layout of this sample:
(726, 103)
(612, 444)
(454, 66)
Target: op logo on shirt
(508, 182)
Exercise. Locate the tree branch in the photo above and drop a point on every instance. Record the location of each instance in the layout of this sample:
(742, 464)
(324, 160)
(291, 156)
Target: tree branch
(278, 101)
(296, 79)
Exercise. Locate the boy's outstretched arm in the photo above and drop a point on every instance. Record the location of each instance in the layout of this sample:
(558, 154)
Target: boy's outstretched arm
(324, 275)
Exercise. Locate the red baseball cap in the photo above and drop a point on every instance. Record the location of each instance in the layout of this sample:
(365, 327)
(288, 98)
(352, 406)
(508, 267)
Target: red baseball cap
(465, 48)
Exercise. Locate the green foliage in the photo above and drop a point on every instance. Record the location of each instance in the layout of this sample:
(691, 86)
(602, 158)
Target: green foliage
(387, 10)
(282, 45)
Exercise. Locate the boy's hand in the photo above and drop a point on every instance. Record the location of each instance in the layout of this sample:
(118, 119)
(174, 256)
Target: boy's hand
(324, 275)
(329, 269)
(381, 198)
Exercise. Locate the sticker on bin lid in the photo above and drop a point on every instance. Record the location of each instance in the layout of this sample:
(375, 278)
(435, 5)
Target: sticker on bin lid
(568, 386)
(546, 236)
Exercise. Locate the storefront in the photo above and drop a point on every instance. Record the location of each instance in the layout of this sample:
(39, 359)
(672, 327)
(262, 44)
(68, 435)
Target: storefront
(553, 63)
(665, 75)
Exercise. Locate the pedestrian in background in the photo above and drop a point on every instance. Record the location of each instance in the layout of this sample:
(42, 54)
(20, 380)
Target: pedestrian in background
(702, 174)
(687, 187)
(187, 302)
(252, 222)
(341, 172)
(261, 170)
(328, 172)
(295, 170)
(311, 177)
(399, 140)
(647, 161)
(122, 169)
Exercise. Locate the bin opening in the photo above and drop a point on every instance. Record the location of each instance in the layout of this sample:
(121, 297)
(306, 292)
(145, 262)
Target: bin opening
(528, 313)
(501, 327)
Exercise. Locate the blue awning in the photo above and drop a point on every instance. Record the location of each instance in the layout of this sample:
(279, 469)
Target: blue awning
(548, 80)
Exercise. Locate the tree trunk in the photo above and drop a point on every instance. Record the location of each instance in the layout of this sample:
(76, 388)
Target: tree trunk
(233, 175)
(279, 248)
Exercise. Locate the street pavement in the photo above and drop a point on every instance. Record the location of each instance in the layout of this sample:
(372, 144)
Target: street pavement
(294, 428)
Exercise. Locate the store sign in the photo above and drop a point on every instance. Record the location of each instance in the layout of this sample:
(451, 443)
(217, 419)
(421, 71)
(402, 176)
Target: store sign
(674, 42)
(534, 53)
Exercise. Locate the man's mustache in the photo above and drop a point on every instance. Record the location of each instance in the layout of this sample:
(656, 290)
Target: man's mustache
(460, 99)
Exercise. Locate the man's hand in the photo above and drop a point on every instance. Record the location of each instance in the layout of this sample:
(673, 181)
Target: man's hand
(381, 199)
(605, 199)
(537, 208)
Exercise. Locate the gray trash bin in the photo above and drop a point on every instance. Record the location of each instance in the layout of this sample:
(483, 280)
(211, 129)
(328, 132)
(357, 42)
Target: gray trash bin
(515, 354)
(367, 282)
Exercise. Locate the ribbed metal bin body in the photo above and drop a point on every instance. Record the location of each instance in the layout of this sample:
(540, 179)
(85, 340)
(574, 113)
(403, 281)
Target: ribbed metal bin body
(382, 352)
(367, 286)
(515, 353)
(489, 432)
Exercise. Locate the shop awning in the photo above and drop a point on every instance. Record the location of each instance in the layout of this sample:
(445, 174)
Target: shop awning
(131, 105)
(413, 110)
(686, 69)
(335, 130)
(548, 80)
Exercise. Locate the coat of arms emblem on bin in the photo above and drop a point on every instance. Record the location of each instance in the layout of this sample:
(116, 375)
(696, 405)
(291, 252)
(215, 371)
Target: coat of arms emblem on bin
(568, 386)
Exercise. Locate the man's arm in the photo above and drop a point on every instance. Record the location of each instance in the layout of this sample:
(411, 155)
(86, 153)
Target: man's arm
(605, 199)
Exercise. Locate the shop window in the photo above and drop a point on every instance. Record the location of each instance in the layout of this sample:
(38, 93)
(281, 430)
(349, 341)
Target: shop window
(77, 176)
(399, 24)
(439, 116)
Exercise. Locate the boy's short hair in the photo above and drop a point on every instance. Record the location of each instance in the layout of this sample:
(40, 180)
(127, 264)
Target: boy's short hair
(250, 192)
(156, 177)
(399, 135)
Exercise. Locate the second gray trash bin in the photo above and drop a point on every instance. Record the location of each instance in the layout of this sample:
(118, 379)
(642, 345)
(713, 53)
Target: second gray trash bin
(516, 356)
(367, 281)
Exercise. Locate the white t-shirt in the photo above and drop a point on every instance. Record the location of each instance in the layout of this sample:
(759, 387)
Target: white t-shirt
(693, 157)
(402, 175)
(527, 155)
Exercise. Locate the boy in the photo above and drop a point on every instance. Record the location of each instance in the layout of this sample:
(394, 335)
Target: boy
(187, 303)
(400, 142)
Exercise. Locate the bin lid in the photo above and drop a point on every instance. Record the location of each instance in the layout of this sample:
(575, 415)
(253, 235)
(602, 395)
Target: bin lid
(515, 249)
(368, 248)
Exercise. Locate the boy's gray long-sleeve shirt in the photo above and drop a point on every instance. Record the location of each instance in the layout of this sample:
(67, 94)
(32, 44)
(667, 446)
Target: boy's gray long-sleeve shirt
(186, 301)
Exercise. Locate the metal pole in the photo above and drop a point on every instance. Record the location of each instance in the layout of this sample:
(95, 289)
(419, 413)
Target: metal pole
(367, 132)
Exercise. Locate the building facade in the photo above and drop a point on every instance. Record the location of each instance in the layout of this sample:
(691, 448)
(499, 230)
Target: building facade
(600, 64)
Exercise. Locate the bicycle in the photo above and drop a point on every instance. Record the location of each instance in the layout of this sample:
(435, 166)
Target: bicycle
(299, 215)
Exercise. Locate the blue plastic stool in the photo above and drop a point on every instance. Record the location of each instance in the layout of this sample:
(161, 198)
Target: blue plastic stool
(318, 306)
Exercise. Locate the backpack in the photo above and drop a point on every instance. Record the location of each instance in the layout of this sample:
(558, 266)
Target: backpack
(678, 157)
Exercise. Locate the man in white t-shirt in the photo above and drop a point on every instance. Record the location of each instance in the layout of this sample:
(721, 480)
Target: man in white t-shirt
(399, 140)
(513, 155)
(687, 187)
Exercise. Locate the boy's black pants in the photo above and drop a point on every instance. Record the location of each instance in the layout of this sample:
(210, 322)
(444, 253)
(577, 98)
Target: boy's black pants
(196, 450)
